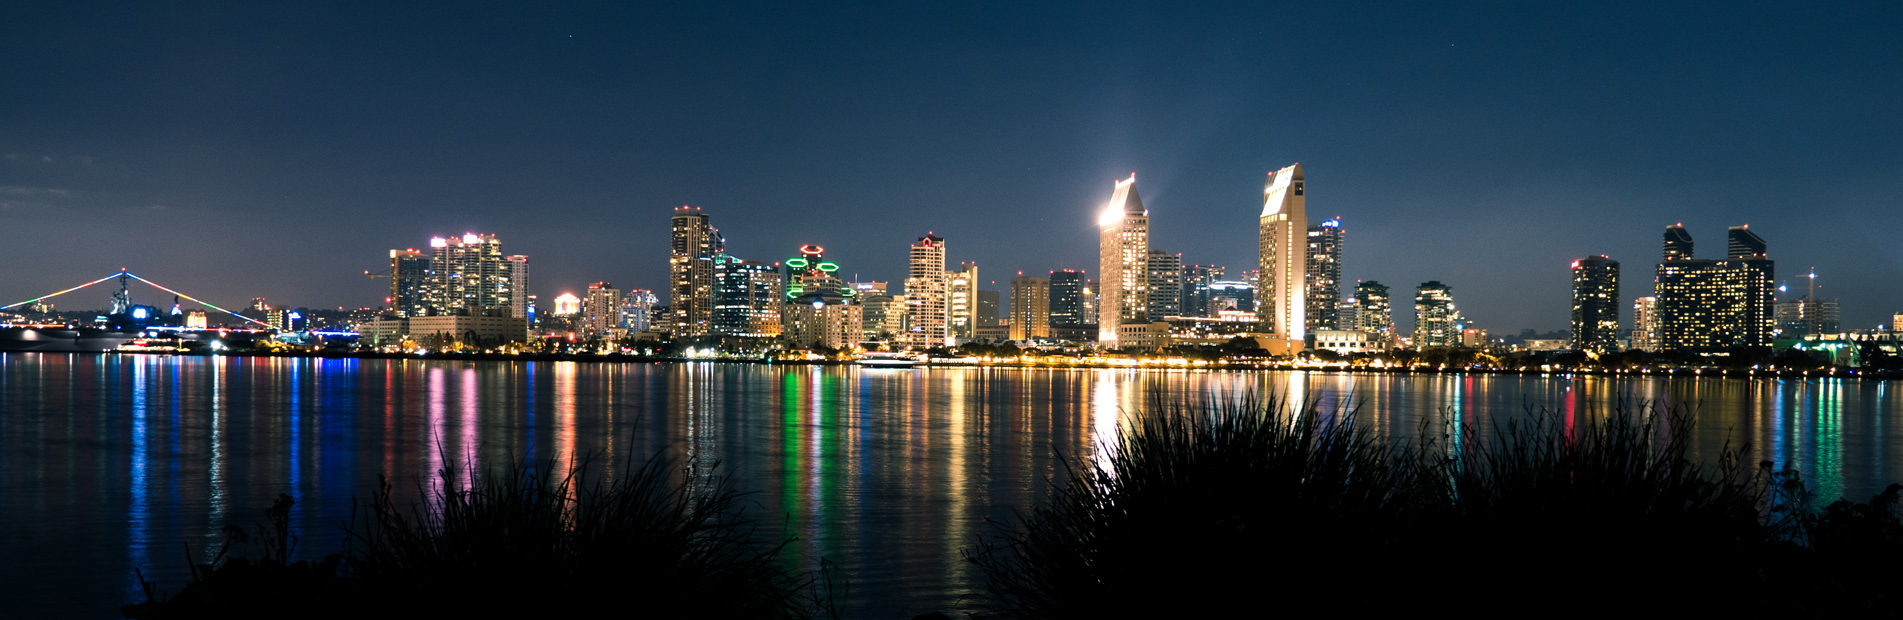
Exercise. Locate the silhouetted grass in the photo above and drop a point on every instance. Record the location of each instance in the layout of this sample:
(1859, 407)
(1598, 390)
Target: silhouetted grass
(526, 542)
(1267, 506)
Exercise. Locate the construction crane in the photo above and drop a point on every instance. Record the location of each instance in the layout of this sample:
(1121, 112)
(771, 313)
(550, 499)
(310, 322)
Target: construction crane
(375, 275)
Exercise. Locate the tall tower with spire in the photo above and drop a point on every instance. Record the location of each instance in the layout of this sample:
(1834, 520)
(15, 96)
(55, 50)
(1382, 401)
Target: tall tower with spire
(1281, 294)
(1124, 260)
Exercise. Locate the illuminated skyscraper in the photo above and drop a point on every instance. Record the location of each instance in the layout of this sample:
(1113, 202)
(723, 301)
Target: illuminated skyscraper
(1645, 324)
(1282, 243)
(635, 309)
(1596, 304)
(1713, 305)
(1123, 258)
(691, 271)
(1376, 313)
(1030, 307)
(1196, 281)
(1166, 284)
(409, 283)
(1067, 299)
(518, 286)
(469, 275)
(962, 302)
(1434, 316)
(1324, 275)
(747, 299)
(602, 309)
(927, 316)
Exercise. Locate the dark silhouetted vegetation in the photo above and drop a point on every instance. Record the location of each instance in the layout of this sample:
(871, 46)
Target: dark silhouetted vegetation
(1260, 506)
(516, 542)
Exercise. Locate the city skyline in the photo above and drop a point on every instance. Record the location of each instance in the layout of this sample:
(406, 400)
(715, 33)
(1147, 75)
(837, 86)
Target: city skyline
(1450, 139)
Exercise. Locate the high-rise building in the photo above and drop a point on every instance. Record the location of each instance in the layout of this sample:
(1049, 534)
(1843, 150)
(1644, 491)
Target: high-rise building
(519, 285)
(602, 310)
(1713, 305)
(1030, 307)
(691, 271)
(747, 298)
(1807, 316)
(1067, 299)
(636, 309)
(1324, 275)
(1092, 307)
(1596, 304)
(1196, 281)
(409, 283)
(1434, 316)
(820, 307)
(1645, 324)
(1376, 312)
(1282, 248)
(962, 301)
(468, 275)
(884, 317)
(1123, 245)
(1231, 297)
(1348, 313)
(988, 303)
(1166, 284)
(927, 314)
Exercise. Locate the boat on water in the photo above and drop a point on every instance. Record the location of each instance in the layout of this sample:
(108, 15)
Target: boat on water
(887, 359)
(127, 327)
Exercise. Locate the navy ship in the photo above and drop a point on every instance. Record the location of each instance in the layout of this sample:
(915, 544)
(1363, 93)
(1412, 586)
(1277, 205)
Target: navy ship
(145, 328)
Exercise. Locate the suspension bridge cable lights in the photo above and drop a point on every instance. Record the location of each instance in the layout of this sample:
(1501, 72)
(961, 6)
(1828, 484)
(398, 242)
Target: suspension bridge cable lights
(63, 292)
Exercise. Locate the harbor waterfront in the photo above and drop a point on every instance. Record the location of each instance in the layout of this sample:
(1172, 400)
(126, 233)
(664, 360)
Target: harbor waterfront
(111, 463)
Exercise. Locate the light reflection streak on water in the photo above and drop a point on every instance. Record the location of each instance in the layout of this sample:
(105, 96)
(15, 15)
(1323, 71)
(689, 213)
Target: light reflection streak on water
(296, 428)
(471, 421)
(216, 474)
(1778, 452)
(564, 416)
(139, 510)
(434, 426)
(1829, 472)
(1104, 408)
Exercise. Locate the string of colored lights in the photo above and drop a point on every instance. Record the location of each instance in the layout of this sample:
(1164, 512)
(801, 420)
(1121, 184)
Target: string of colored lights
(36, 299)
(200, 301)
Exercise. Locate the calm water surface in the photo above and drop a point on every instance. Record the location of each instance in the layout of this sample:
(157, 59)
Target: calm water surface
(113, 462)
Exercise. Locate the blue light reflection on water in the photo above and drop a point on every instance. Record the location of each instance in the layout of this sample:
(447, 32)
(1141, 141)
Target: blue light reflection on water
(123, 459)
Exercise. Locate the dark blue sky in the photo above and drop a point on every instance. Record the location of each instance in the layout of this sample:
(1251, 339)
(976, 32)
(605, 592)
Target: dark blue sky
(278, 152)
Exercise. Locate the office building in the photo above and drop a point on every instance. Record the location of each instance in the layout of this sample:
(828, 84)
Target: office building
(883, 319)
(1282, 246)
(1714, 305)
(519, 286)
(1645, 324)
(1374, 312)
(1324, 275)
(601, 311)
(1067, 299)
(988, 311)
(637, 308)
(691, 272)
(747, 299)
(961, 301)
(1596, 304)
(1123, 253)
(409, 283)
(927, 314)
(1348, 313)
(1806, 316)
(1030, 307)
(1435, 316)
(1196, 281)
(1231, 297)
(1166, 284)
(870, 288)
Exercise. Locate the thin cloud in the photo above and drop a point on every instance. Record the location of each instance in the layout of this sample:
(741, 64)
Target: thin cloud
(28, 191)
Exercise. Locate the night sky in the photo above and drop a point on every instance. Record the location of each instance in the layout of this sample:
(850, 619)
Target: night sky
(244, 151)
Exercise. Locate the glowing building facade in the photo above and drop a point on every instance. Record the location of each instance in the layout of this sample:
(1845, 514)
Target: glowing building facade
(1166, 284)
(1324, 275)
(1596, 304)
(1435, 319)
(1030, 307)
(1123, 261)
(469, 276)
(691, 272)
(1714, 305)
(1374, 312)
(409, 283)
(1645, 324)
(927, 315)
(746, 298)
(602, 310)
(1282, 244)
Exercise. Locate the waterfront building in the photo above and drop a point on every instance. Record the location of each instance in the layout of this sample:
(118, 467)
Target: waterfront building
(1324, 275)
(1282, 246)
(883, 319)
(602, 310)
(519, 286)
(1595, 318)
(1645, 324)
(468, 275)
(1713, 305)
(1166, 284)
(747, 299)
(1030, 307)
(1123, 253)
(961, 301)
(1344, 341)
(1348, 313)
(637, 308)
(1067, 298)
(1231, 297)
(927, 314)
(691, 271)
(1434, 316)
(1196, 280)
(409, 283)
(823, 318)
(466, 331)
